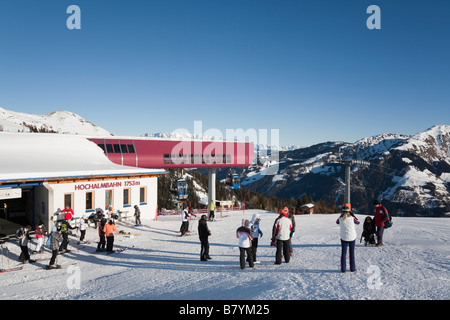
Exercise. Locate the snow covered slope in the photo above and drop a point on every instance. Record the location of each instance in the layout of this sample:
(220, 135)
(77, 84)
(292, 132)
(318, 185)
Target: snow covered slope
(58, 121)
(158, 264)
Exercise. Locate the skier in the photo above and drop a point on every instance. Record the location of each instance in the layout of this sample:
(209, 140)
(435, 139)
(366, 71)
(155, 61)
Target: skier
(24, 237)
(185, 221)
(39, 230)
(137, 214)
(244, 235)
(83, 227)
(203, 234)
(368, 231)
(347, 222)
(283, 228)
(64, 228)
(109, 230)
(101, 234)
(55, 238)
(256, 232)
(380, 216)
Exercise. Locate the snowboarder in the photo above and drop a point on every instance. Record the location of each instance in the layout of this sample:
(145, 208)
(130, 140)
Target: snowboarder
(55, 238)
(24, 237)
(83, 227)
(244, 234)
(256, 232)
(39, 231)
(380, 216)
(137, 214)
(102, 243)
(347, 222)
(212, 207)
(368, 231)
(283, 228)
(64, 228)
(203, 234)
(109, 230)
(185, 221)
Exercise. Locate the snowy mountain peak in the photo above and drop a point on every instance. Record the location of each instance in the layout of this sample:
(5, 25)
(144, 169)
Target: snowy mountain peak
(58, 121)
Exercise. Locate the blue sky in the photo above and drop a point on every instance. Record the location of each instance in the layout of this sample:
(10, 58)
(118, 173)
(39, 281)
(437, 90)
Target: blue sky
(311, 69)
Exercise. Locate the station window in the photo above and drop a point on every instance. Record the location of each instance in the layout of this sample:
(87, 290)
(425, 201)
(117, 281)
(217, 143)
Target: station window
(109, 148)
(126, 197)
(68, 200)
(166, 158)
(117, 148)
(143, 195)
(102, 146)
(89, 200)
(108, 198)
(131, 148)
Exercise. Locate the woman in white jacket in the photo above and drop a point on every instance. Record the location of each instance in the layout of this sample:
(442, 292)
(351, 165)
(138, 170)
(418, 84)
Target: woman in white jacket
(348, 237)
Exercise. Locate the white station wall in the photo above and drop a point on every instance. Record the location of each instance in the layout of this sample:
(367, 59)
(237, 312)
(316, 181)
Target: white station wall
(78, 192)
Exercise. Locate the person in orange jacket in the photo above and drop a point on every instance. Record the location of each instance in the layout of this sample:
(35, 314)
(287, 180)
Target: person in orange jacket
(109, 230)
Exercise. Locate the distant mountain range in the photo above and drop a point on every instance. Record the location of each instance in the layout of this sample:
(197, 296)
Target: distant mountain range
(409, 174)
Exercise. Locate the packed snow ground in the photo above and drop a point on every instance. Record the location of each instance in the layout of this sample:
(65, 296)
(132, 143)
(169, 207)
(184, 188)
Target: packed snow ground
(158, 264)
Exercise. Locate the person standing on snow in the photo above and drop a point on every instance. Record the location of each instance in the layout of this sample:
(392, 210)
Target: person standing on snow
(212, 207)
(83, 227)
(39, 230)
(348, 238)
(109, 230)
(24, 237)
(283, 228)
(137, 214)
(380, 216)
(65, 226)
(185, 221)
(102, 243)
(55, 238)
(244, 235)
(254, 223)
(203, 234)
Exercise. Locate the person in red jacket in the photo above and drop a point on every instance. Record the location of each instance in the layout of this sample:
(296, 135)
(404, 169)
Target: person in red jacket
(380, 216)
(68, 213)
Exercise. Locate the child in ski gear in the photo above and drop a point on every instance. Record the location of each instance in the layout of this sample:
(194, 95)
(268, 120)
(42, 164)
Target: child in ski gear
(368, 231)
(185, 221)
(203, 234)
(348, 237)
(102, 243)
(55, 238)
(83, 227)
(64, 228)
(380, 216)
(24, 237)
(244, 234)
(256, 232)
(39, 230)
(109, 230)
(283, 228)
(137, 214)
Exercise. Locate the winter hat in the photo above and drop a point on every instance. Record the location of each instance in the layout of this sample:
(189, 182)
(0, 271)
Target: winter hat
(245, 223)
(54, 229)
(376, 202)
(345, 209)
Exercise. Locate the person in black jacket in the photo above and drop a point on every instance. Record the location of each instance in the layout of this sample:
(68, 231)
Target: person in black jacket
(369, 231)
(203, 234)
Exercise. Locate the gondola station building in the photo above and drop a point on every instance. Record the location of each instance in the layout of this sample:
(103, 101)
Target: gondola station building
(43, 173)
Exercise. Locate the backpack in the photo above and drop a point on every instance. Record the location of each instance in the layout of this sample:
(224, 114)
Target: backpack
(19, 233)
(49, 240)
(388, 222)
